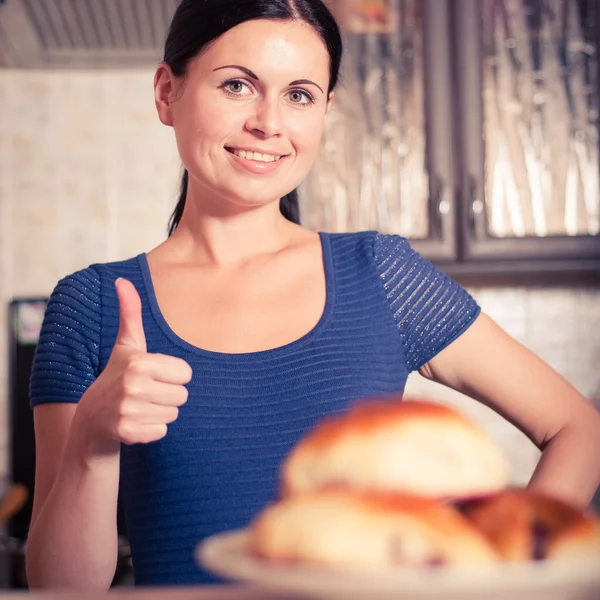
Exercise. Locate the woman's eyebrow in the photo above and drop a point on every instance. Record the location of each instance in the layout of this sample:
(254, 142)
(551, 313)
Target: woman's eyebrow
(252, 75)
(306, 82)
(243, 69)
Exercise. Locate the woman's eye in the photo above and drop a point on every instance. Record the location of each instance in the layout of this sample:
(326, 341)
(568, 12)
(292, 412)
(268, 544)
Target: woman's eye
(235, 86)
(301, 97)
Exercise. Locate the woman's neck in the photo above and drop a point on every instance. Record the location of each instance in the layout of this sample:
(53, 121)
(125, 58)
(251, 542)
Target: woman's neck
(230, 241)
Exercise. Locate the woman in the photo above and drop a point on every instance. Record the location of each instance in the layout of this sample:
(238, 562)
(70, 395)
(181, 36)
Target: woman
(183, 376)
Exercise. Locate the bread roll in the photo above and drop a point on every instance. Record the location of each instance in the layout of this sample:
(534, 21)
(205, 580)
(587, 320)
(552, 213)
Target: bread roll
(525, 525)
(406, 446)
(367, 531)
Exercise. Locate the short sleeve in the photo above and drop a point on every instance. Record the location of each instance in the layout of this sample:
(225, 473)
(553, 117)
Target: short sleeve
(67, 356)
(430, 309)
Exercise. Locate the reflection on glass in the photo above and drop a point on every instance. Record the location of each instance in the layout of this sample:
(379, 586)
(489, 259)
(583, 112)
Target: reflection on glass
(370, 173)
(540, 95)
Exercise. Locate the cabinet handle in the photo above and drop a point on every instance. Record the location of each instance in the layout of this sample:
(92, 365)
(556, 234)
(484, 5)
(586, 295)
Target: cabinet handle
(441, 203)
(444, 201)
(441, 198)
(475, 203)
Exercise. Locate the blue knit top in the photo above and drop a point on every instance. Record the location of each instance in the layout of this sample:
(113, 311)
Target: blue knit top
(388, 311)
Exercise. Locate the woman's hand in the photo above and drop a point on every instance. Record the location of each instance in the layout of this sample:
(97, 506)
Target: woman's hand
(138, 394)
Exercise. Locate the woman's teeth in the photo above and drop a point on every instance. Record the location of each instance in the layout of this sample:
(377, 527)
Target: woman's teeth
(257, 156)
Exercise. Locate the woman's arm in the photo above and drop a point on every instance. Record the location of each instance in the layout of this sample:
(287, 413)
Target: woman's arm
(72, 540)
(73, 537)
(490, 366)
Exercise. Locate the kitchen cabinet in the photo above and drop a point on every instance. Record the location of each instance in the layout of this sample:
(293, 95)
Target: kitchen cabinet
(471, 128)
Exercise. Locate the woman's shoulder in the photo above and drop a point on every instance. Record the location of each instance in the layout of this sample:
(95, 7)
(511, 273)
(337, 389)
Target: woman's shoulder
(371, 244)
(87, 285)
(96, 272)
(127, 268)
(370, 236)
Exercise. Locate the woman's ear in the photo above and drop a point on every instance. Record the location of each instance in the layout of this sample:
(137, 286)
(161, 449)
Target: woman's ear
(330, 101)
(164, 87)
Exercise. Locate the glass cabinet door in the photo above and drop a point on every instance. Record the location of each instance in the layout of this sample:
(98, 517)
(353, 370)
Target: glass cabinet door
(528, 105)
(377, 169)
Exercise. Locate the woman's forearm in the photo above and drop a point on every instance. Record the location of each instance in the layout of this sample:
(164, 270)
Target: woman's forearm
(569, 467)
(73, 542)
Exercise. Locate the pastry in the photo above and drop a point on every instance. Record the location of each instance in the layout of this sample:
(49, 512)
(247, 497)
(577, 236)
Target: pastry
(525, 525)
(366, 531)
(407, 446)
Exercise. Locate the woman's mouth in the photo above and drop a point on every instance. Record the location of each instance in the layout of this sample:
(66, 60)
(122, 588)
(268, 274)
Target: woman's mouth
(259, 163)
(255, 156)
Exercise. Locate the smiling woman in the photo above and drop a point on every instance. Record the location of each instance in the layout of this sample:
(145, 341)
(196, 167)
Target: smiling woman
(181, 378)
(214, 20)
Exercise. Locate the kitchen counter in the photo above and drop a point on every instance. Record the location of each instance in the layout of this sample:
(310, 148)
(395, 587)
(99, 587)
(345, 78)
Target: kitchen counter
(235, 592)
(191, 593)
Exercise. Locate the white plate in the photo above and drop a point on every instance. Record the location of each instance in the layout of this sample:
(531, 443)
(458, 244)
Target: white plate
(225, 554)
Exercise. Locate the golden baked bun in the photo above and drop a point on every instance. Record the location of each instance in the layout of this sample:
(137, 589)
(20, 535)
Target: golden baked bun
(404, 446)
(525, 525)
(366, 531)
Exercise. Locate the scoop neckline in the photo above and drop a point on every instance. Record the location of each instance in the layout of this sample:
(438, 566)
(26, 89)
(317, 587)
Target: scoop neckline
(269, 352)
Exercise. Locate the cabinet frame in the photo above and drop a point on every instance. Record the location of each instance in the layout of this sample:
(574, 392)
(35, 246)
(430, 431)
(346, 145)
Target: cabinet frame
(475, 246)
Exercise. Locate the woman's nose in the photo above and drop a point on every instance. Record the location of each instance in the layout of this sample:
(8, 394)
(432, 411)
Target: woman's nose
(265, 120)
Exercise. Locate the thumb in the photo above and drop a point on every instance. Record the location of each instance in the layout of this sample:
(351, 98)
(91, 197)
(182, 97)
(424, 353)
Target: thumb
(131, 327)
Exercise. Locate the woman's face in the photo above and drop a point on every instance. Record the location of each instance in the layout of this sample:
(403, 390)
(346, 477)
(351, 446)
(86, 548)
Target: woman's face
(249, 115)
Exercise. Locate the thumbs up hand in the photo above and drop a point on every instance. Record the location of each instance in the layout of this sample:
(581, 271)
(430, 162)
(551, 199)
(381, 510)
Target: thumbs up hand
(131, 328)
(138, 394)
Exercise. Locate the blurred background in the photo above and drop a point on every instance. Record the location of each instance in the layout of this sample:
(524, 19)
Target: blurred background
(468, 126)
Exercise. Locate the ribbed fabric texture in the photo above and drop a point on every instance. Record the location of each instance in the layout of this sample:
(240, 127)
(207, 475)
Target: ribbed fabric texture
(430, 309)
(388, 311)
(68, 351)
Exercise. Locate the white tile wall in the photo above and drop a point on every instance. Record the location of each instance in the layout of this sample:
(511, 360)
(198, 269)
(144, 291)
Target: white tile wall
(88, 174)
